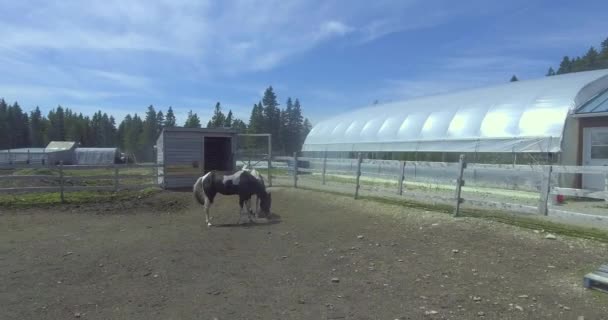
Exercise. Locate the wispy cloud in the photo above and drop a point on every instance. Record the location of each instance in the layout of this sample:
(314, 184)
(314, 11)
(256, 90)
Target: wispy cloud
(121, 79)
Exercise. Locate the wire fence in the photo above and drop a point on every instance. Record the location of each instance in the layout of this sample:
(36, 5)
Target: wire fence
(532, 189)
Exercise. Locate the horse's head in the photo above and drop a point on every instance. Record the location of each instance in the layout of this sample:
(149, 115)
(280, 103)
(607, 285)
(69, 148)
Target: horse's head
(265, 202)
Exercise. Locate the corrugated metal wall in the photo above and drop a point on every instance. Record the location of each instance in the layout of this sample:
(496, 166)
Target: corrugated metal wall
(181, 153)
(183, 156)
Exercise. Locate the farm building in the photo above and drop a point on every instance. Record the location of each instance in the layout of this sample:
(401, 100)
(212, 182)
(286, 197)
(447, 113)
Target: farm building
(96, 156)
(188, 153)
(55, 152)
(561, 119)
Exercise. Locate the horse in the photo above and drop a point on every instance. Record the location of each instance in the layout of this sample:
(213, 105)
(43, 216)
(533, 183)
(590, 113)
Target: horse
(258, 176)
(242, 183)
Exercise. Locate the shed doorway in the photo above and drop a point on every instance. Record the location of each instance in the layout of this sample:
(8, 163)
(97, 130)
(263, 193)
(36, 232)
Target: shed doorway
(218, 154)
(595, 153)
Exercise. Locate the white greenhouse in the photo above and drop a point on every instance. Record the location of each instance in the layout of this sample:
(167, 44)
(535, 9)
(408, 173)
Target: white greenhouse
(96, 156)
(564, 118)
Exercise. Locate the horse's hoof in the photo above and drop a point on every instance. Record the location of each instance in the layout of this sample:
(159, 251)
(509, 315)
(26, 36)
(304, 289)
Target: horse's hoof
(209, 225)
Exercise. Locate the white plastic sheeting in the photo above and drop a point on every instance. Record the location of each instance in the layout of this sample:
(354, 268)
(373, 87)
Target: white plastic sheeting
(95, 156)
(523, 116)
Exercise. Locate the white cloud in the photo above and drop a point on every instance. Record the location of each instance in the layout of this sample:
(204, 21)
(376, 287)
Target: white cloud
(121, 79)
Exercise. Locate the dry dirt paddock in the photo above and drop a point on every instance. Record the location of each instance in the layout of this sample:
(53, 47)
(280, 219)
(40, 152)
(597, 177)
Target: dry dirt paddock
(151, 258)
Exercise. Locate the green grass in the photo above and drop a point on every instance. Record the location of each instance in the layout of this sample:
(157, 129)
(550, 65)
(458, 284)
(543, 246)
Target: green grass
(80, 197)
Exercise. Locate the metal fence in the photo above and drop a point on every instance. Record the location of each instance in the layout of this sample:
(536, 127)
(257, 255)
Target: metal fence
(522, 189)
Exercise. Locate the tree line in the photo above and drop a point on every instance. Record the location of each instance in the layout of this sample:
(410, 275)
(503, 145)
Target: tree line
(136, 136)
(594, 59)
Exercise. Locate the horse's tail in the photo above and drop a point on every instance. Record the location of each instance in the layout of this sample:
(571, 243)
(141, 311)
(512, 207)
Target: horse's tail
(198, 190)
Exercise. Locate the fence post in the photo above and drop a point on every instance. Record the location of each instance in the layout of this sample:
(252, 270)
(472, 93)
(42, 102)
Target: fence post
(61, 181)
(606, 187)
(459, 184)
(28, 156)
(295, 169)
(545, 190)
(269, 161)
(116, 180)
(324, 167)
(401, 178)
(359, 160)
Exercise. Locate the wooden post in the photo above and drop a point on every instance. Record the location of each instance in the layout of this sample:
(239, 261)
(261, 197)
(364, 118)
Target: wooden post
(28, 156)
(269, 161)
(295, 169)
(606, 187)
(324, 167)
(459, 184)
(401, 178)
(116, 180)
(359, 160)
(61, 181)
(545, 189)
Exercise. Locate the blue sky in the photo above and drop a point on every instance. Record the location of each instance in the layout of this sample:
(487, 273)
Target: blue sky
(121, 56)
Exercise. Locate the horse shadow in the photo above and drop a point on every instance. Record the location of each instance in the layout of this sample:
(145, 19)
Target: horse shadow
(272, 219)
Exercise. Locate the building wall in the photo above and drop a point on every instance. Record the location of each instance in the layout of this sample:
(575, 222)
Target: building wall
(160, 154)
(570, 152)
(182, 156)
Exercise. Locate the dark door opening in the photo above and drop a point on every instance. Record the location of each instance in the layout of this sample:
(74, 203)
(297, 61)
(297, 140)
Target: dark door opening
(218, 154)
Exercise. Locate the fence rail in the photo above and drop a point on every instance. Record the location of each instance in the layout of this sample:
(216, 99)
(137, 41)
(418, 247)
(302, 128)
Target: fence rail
(118, 177)
(453, 183)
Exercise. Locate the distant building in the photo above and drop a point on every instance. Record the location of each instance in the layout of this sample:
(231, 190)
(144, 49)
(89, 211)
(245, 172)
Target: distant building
(97, 156)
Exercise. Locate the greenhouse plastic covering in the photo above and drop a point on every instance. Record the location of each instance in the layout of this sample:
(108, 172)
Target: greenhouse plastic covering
(523, 116)
(34, 155)
(95, 156)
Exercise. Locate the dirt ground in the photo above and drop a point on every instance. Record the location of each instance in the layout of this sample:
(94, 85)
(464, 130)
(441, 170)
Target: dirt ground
(152, 258)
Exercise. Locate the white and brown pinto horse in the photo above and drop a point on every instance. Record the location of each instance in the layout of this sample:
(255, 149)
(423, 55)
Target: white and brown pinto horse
(258, 176)
(242, 183)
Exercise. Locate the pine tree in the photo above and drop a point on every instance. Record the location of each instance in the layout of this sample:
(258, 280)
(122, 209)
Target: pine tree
(25, 129)
(272, 116)
(122, 131)
(239, 126)
(57, 124)
(228, 121)
(170, 121)
(306, 127)
(551, 72)
(218, 119)
(256, 120)
(133, 130)
(160, 121)
(18, 127)
(36, 129)
(514, 79)
(299, 124)
(565, 66)
(289, 130)
(4, 130)
(590, 59)
(283, 133)
(147, 138)
(192, 121)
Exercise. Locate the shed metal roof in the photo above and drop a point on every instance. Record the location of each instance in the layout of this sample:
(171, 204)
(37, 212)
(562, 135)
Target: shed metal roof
(523, 116)
(60, 145)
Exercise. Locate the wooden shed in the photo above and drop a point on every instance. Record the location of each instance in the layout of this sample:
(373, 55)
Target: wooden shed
(188, 153)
